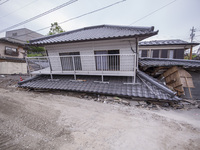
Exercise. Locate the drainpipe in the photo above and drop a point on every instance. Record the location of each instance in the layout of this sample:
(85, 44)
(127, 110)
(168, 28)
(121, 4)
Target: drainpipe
(136, 48)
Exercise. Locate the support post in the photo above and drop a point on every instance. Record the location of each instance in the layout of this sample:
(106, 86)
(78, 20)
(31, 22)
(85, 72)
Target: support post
(74, 67)
(50, 68)
(101, 69)
(134, 69)
(29, 71)
(39, 64)
(191, 52)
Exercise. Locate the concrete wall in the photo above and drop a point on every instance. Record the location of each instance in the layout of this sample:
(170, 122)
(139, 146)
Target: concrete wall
(13, 68)
(2, 50)
(23, 34)
(88, 48)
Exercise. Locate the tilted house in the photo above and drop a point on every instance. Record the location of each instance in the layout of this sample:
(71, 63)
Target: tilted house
(99, 59)
(164, 59)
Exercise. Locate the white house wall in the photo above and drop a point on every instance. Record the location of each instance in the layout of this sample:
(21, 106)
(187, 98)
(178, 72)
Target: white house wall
(88, 48)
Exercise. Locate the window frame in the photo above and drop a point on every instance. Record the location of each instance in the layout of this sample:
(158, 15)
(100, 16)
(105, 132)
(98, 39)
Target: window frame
(10, 51)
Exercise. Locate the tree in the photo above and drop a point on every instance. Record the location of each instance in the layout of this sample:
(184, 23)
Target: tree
(55, 29)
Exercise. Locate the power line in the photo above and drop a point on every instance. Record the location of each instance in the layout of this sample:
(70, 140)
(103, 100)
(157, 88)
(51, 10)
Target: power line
(40, 15)
(153, 12)
(88, 13)
(4, 2)
(18, 9)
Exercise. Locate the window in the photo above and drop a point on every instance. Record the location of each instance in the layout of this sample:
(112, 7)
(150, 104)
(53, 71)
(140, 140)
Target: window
(155, 53)
(14, 34)
(179, 54)
(144, 53)
(11, 51)
(70, 61)
(109, 60)
(164, 53)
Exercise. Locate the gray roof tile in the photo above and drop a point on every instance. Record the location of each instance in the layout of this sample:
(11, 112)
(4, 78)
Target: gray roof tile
(96, 33)
(115, 87)
(156, 62)
(166, 42)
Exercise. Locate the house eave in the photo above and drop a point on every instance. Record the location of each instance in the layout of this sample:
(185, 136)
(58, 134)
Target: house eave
(141, 37)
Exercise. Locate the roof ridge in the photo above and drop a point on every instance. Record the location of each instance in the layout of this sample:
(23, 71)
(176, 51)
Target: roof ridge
(167, 59)
(92, 27)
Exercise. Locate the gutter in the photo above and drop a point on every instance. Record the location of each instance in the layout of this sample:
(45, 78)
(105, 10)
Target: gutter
(148, 78)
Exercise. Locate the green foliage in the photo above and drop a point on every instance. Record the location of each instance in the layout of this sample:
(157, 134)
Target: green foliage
(55, 29)
(188, 56)
(34, 51)
(35, 55)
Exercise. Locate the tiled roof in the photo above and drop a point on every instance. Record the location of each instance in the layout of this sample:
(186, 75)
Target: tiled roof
(97, 33)
(12, 41)
(166, 42)
(12, 59)
(156, 62)
(146, 87)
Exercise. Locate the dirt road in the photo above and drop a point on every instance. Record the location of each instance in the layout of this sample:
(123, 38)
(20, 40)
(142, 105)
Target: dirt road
(33, 120)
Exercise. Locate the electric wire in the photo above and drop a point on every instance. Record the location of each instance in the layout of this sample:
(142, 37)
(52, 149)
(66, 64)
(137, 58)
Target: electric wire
(88, 13)
(153, 12)
(18, 9)
(40, 15)
(4, 2)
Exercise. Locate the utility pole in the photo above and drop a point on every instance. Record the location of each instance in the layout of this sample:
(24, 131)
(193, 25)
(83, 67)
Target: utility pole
(192, 37)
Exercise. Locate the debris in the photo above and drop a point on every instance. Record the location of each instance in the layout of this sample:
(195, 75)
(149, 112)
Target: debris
(3, 76)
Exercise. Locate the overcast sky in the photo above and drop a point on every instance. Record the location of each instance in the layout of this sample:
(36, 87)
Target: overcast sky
(173, 21)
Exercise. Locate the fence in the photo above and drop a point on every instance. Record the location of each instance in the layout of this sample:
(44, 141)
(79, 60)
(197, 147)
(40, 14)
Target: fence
(106, 64)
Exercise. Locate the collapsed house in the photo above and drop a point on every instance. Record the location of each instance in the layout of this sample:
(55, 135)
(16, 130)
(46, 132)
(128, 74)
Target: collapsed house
(164, 59)
(99, 59)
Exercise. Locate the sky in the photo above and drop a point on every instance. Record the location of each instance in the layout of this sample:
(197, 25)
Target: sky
(173, 18)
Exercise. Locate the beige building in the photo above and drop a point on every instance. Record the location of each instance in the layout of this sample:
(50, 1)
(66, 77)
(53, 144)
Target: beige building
(9, 48)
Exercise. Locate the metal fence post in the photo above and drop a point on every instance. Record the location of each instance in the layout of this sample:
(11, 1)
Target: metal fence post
(101, 69)
(29, 72)
(74, 68)
(50, 67)
(39, 64)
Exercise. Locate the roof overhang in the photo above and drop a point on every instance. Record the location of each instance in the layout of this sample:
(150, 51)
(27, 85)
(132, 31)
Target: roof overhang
(140, 37)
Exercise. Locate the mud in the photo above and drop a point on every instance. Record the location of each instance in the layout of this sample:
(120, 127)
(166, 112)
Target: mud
(44, 120)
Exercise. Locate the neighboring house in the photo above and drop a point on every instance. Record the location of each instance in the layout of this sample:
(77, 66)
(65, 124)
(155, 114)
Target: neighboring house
(22, 35)
(12, 50)
(99, 59)
(164, 59)
(172, 49)
(183, 76)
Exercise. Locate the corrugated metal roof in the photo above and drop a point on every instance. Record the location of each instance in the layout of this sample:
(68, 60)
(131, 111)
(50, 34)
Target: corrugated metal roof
(156, 62)
(146, 86)
(96, 33)
(166, 42)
